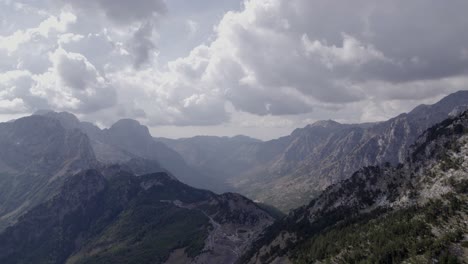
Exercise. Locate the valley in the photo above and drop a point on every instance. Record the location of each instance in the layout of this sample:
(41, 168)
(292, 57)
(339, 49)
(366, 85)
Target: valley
(118, 195)
(233, 132)
(290, 171)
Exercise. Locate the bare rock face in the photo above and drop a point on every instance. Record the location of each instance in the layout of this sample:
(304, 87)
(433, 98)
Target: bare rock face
(36, 155)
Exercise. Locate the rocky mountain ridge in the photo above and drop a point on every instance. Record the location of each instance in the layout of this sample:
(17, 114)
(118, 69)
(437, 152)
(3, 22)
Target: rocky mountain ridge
(112, 216)
(433, 179)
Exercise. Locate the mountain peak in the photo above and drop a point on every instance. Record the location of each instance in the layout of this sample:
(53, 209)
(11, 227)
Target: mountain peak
(458, 99)
(445, 104)
(68, 120)
(456, 96)
(130, 127)
(42, 112)
(325, 123)
(127, 122)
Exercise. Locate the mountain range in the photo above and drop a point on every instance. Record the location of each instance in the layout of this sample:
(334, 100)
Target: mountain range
(289, 171)
(386, 192)
(127, 139)
(73, 193)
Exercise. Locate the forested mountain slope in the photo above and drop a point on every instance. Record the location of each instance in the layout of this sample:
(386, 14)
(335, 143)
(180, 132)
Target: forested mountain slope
(414, 212)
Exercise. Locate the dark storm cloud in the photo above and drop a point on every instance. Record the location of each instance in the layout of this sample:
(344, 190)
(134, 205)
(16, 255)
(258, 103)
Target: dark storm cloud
(424, 39)
(142, 45)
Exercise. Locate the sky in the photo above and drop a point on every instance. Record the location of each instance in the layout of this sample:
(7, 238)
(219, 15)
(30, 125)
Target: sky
(227, 67)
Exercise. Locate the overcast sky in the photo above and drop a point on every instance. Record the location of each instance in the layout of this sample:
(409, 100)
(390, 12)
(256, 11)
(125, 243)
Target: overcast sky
(226, 67)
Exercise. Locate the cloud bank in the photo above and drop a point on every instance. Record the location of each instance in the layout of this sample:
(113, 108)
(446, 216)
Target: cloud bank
(272, 58)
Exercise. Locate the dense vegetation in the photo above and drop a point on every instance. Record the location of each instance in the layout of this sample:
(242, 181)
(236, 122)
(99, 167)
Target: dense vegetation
(393, 237)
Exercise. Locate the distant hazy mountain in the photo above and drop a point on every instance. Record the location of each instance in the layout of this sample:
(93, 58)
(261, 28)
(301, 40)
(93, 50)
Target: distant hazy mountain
(36, 155)
(416, 212)
(223, 157)
(289, 171)
(112, 216)
(127, 140)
